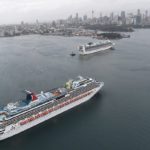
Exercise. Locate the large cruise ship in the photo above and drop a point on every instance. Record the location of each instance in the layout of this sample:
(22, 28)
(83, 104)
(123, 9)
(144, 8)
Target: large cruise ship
(90, 48)
(37, 108)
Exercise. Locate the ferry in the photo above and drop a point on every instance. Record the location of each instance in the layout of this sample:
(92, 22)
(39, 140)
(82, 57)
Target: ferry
(95, 47)
(37, 108)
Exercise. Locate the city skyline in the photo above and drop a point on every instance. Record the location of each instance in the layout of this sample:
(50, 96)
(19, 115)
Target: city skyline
(15, 11)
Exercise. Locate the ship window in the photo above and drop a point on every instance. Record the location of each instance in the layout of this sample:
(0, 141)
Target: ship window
(2, 117)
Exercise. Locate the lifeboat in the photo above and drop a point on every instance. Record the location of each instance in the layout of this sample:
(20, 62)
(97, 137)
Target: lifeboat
(30, 119)
(26, 121)
(40, 114)
(45, 112)
(61, 105)
(58, 106)
(23, 122)
(55, 108)
(49, 110)
(36, 116)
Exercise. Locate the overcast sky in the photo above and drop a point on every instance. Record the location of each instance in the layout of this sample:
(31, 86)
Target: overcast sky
(14, 11)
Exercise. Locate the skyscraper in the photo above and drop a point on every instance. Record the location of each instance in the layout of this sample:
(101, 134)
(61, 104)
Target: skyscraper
(77, 16)
(123, 17)
(92, 14)
(146, 13)
(138, 12)
(85, 17)
(138, 17)
(111, 17)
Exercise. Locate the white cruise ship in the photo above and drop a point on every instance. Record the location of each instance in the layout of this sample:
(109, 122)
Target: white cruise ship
(90, 48)
(37, 108)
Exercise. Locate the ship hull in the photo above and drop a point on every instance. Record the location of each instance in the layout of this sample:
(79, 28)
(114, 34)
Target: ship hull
(29, 125)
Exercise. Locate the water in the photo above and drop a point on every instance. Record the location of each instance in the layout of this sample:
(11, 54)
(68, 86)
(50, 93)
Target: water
(116, 119)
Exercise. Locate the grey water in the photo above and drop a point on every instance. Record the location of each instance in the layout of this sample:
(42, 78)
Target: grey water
(118, 118)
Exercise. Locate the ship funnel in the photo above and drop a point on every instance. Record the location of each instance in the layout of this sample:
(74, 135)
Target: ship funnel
(30, 96)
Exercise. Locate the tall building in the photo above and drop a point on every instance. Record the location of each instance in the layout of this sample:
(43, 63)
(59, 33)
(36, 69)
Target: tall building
(146, 20)
(138, 17)
(77, 16)
(85, 17)
(101, 15)
(100, 18)
(111, 18)
(130, 19)
(92, 14)
(123, 17)
(146, 15)
(70, 18)
(138, 12)
(22, 24)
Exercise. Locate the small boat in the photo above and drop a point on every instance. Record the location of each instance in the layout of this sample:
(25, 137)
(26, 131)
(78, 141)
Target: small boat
(72, 54)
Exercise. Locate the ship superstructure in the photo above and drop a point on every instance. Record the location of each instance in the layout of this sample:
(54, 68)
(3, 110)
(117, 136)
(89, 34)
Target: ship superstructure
(91, 47)
(37, 108)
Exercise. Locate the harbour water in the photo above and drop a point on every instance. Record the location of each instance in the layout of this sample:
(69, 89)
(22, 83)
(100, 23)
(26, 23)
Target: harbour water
(116, 119)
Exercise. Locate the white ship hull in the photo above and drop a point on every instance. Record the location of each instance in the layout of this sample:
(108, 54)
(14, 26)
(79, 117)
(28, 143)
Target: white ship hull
(96, 50)
(20, 128)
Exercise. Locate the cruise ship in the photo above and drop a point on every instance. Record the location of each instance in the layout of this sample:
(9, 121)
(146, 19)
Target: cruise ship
(37, 108)
(91, 47)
